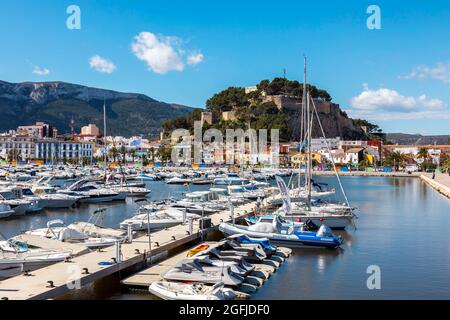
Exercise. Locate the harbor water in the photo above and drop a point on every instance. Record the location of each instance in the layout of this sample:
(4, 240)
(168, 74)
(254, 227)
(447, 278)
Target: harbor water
(403, 229)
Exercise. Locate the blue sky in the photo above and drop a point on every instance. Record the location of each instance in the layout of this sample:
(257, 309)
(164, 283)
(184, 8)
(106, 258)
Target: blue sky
(397, 77)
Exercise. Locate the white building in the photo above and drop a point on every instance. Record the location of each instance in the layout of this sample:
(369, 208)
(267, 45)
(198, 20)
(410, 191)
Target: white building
(435, 155)
(58, 150)
(354, 155)
(21, 146)
(337, 156)
(321, 143)
(348, 144)
(407, 150)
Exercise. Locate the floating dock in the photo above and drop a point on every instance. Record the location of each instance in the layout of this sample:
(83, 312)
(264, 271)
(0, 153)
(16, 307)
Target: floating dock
(60, 278)
(253, 281)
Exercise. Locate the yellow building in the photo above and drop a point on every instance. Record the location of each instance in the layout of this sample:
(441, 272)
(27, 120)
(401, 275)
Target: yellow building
(301, 158)
(90, 130)
(228, 116)
(206, 117)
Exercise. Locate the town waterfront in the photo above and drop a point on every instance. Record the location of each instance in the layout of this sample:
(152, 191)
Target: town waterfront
(403, 227)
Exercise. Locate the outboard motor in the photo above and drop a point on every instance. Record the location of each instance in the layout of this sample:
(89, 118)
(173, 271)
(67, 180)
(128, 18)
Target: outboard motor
(308, 225)
(324, 231)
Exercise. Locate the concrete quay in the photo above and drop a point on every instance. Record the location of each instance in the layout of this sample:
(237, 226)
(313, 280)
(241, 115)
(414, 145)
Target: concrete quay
(440, 183)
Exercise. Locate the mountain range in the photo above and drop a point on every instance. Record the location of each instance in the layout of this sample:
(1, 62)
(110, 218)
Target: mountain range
(58, 103)
(417, 139)
(128, 114)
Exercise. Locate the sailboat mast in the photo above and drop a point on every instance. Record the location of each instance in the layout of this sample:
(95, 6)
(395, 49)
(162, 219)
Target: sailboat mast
(308, 174)
(309, 171)
(302, 122)
(104, 135)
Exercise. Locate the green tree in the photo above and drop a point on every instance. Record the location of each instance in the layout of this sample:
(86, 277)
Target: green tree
(446, 163)
(165, 153)
(370, 126)
(423, 154)
(183, 122)
(397, 158)
(14, 155)
(132, 153)
(227, 100)
(123, 152)
(113, 153)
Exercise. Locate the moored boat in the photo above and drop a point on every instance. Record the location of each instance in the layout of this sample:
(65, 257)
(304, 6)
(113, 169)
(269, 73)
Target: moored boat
(288, 236)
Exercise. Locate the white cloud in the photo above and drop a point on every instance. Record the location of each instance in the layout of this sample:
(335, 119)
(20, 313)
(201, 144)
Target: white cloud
(432, 103)
(388, 104)
(195, 58)
(41, 71)
(162, 53)
(382, 99)
(159, 53)
(101, 64)
(440, 72)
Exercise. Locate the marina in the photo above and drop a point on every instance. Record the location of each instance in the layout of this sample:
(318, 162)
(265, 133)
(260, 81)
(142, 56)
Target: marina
(201, 159)
(375, 220)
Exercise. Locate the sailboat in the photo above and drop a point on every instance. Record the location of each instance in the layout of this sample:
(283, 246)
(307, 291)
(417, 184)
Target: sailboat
(336, 216)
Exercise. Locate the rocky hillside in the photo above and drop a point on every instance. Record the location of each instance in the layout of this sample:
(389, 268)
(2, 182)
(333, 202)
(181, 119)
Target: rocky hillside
(273, 104)
(334, 122)
(417, 139)
(58, 102)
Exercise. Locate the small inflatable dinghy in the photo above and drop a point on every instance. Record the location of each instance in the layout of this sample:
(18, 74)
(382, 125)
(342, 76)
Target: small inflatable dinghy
(199, 291)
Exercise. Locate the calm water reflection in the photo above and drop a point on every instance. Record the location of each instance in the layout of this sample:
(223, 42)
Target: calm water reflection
(403, 227)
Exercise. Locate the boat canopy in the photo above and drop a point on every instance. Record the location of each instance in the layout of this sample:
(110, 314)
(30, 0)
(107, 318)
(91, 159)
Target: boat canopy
(68, 233)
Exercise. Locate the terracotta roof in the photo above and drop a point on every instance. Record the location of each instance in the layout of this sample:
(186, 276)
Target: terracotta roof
(354, 150)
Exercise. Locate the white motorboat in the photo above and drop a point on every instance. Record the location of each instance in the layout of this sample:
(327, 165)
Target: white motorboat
(19, 206)
(286, 234)
(17, 257)
(48, 197)
(243, 192)
(131, 191)
(181, 291)
(298, 195)
(92, 194)
(200, 202)
(202, 270)
(93, 230)
(160, 219)
(67, 234)
(178, 180)
(222, 195)
(230, 179)
(145, 177)
(5, 210)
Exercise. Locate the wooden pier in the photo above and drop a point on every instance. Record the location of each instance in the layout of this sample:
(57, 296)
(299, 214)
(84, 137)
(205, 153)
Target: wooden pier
(60, 278)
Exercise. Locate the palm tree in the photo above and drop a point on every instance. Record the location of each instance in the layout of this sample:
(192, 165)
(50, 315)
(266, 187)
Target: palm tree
(165, 153)
(446, 163)
(397, 158)
(151, 154)
(132, 153)
(423, 154)
(14, 155)
(123, 152)
(113, 153)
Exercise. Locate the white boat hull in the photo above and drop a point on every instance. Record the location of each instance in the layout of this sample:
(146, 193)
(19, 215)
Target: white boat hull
(332, 222)
(13, 267)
